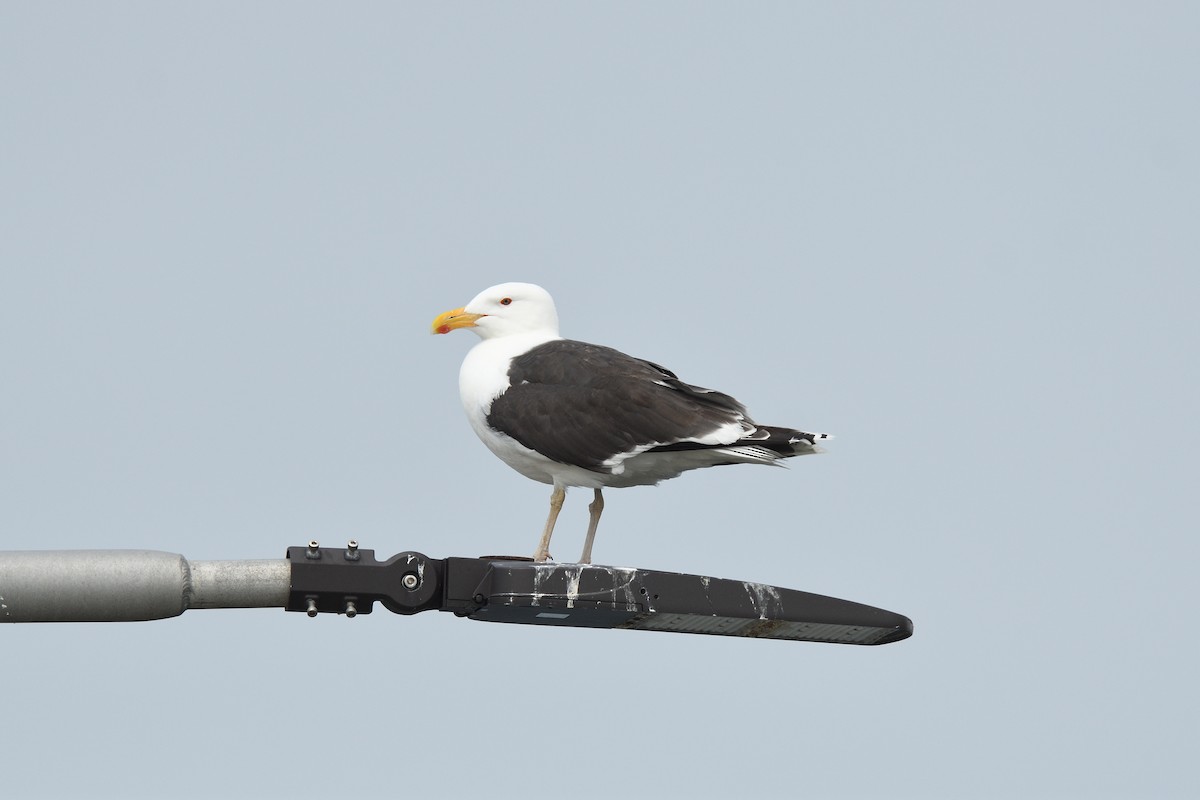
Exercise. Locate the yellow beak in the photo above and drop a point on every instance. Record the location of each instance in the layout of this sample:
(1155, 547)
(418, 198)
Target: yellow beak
(455, 318)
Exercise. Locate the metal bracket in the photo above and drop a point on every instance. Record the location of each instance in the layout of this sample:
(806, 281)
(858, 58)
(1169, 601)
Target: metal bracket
(349, 581)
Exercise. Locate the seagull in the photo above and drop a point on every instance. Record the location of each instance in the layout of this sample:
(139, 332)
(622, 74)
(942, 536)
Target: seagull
(569, 413)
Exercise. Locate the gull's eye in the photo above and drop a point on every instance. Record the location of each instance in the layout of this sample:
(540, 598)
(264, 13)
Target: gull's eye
(506, 301)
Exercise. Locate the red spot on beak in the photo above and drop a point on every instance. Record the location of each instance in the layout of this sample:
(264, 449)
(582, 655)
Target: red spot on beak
(443, 329)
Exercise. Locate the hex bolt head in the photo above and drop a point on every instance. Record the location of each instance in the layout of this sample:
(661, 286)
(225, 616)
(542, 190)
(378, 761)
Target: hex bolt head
(410, 581)
(313, 550)
(352, 545)
(312, 607)
(351, 611)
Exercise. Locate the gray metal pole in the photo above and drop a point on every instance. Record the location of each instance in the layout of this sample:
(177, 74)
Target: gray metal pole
(131, 585)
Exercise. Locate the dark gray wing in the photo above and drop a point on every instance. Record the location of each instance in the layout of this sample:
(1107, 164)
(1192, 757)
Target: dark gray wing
(582, 404)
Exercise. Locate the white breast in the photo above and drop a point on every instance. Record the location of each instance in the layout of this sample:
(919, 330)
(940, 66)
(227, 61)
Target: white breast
(482, 378)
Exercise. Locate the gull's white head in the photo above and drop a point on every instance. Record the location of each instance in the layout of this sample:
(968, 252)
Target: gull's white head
(503, 310)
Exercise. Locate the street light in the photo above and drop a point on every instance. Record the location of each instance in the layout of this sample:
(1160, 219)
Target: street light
(130, 585)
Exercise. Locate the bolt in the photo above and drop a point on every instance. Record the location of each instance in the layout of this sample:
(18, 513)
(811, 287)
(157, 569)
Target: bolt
(351, 551)
(314, 549)
(352, 544)
(312, 607)
(410, 581)
(351, 611)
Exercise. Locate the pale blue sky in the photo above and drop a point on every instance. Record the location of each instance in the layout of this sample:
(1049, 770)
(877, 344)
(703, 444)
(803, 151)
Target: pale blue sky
(961, 237)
